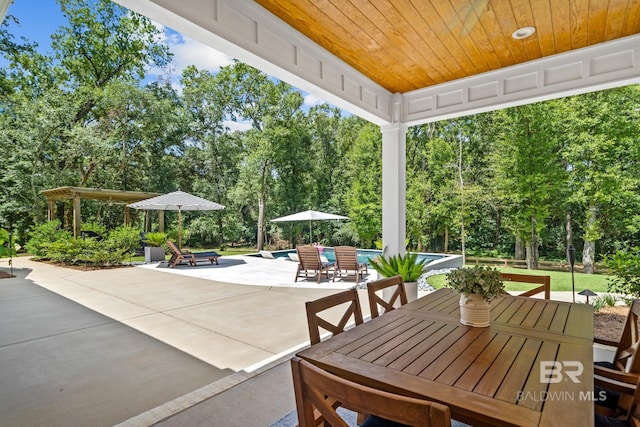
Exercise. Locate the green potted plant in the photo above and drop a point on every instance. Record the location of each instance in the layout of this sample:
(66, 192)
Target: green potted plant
(477, 286)
(154, 251)
(408, 266)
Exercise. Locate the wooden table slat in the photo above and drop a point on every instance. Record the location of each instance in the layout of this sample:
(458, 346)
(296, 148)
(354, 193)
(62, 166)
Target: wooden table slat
(443, 361)
(534, 387)
(373, 341)
(427, 357)
(491, 380)
(421, 343)
(546, 317)
(515, 379)
(393, 343)
(560, 319)
(533, 316)
(471, 377)
(466, 360)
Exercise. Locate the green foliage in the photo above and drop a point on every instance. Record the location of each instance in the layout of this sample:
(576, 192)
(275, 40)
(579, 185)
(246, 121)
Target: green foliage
(407, 266)
(603, 301)
(96, 227)
(156, 239)
(44, 235)
(625, 265)
(124, 240)
(482, 280)
(5, 249)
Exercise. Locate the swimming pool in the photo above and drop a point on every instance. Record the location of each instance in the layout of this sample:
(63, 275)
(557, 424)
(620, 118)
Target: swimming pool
(363, 254)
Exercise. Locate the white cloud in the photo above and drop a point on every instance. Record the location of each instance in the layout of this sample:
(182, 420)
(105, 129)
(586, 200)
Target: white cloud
(233, 126)
(312, 100)
(187, 51)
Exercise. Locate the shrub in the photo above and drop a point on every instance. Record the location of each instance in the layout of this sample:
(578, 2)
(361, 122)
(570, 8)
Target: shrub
(625, 266)
(43, 235)
(124, 240)
(5, 249)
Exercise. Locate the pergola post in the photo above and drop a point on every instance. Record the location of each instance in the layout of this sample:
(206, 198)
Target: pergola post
(51, 213)
(77, 217)
(394, 178)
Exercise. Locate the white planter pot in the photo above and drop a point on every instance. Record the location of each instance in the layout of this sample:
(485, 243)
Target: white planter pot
(412, 290)
(410, 287)
(153, 254)
(474, 311)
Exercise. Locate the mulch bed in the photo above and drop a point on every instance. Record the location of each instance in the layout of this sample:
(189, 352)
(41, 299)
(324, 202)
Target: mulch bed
(609, 322)
(4, 275)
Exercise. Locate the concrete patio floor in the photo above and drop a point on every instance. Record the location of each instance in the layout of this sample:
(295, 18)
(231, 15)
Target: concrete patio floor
(240, 332)
(221, 336)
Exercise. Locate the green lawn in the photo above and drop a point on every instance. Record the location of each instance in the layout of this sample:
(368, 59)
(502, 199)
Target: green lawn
(560, 280)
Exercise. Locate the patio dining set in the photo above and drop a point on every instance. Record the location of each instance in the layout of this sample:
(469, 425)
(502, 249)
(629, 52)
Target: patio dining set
(415, 364)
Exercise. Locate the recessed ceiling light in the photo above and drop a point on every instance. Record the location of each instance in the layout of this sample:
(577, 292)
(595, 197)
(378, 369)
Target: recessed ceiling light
(523, 33)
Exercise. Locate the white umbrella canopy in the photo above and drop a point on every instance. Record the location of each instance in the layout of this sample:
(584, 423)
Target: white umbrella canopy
(310, 216)
(177, 201)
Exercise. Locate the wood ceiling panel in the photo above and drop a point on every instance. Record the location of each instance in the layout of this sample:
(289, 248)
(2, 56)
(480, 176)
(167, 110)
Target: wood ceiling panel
(410, 44)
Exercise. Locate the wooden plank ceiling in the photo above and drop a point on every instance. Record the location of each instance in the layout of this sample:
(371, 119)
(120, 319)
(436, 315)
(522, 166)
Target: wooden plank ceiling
(411, 44)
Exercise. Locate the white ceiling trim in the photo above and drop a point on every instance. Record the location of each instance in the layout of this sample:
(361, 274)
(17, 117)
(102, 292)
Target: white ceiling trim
(244, 30)
(602, 66)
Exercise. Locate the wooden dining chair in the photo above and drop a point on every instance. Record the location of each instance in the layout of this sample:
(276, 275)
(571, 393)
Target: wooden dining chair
(314, 308)
(394, 284)
(617, 414)
(625, 365)
(316, 392)
(543, 281)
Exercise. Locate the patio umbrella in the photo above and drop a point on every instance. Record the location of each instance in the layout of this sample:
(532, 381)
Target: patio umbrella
(309, 216)
(177, 201)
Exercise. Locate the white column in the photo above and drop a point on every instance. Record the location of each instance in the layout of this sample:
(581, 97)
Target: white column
(394, 178)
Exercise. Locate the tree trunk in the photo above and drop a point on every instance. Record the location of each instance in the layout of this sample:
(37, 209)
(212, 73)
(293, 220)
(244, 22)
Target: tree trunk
(446, 239)
(532, 256)
(589, 249)
(520, 252)
(569, 237)
(260, 221)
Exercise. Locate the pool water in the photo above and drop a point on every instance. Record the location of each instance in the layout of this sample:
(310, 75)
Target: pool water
(363, 254)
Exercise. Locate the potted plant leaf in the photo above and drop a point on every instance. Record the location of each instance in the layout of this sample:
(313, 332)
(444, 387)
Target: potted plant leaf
(477, 286)
(154, 250)
(409, 266)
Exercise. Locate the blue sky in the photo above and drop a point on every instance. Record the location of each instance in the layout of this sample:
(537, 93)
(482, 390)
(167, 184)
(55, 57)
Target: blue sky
(41, 18)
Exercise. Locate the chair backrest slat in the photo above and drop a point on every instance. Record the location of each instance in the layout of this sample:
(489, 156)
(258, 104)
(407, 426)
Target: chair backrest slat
(399, 294)
(545, 281)
(314, 308)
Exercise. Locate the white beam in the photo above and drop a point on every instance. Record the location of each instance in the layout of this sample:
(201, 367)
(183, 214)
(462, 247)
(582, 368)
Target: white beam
(242, 29)
(603, 66)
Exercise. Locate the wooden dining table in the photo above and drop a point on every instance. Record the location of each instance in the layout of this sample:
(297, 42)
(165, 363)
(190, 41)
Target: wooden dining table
(533, 366)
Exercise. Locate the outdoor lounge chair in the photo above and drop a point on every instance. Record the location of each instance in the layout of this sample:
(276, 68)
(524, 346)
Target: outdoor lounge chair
(179, 256)
(310, 263)
(346, 261)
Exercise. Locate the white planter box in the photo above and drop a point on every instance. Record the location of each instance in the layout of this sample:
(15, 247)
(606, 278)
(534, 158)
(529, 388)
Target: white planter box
(153, 254)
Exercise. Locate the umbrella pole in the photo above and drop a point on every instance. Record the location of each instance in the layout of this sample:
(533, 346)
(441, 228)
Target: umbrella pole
(310, 234)
(179, 228)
